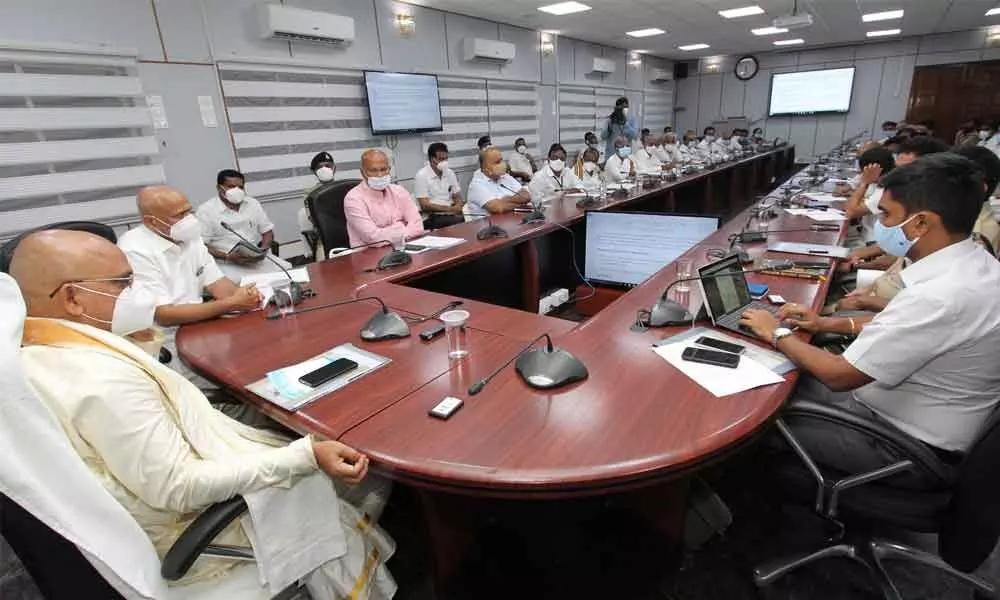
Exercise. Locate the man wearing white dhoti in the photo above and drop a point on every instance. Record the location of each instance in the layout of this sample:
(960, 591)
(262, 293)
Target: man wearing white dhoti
(155, 443)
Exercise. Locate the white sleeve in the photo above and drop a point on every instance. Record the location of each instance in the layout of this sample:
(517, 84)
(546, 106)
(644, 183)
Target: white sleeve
(420, 187)
(872, 200)
(453, 185)
(478, 194)
(128, 426)
(211, 229)
(264, 223)
(611, 172)
(208, 271)
(148, 276)
(539, 185)
(906, 335)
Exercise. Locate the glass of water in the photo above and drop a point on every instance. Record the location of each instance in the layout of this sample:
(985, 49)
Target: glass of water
(685, 266)
(455, 329)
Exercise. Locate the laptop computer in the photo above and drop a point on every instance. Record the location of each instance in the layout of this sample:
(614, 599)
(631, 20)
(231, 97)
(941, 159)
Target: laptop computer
(727, 296)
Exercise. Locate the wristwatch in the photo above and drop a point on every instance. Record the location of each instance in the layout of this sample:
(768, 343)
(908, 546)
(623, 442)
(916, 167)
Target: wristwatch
(779, 333)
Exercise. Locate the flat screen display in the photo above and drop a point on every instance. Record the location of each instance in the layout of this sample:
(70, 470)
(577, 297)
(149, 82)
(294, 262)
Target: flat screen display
(811, 92)
(402, 103)
(626, 248)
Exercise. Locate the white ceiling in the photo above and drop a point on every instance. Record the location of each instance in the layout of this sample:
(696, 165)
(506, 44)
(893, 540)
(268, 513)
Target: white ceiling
(697, 21)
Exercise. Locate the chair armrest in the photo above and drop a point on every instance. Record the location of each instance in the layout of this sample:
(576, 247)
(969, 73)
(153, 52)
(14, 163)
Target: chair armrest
(199, 534)
(905, 446)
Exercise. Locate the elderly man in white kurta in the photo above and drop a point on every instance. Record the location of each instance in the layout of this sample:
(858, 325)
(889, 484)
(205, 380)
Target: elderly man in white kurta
(156, 444)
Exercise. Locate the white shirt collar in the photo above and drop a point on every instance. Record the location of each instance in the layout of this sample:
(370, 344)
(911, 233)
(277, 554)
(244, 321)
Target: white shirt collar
(155, 241)
(937, 263)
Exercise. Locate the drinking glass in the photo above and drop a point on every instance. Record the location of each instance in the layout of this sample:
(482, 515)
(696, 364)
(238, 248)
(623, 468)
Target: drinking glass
(685, 267)
(454, 328)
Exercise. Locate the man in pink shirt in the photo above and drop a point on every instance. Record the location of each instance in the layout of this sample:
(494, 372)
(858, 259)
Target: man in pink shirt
(378, 210)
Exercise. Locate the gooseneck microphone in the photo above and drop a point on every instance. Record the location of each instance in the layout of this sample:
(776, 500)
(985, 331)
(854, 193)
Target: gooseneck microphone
(383, 325)
(294, 287)
(395, 258)
(668, 312)
(491, 231)
(541, 368)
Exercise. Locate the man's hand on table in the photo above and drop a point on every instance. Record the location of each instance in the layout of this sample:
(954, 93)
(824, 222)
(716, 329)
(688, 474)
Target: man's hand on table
(340, 461)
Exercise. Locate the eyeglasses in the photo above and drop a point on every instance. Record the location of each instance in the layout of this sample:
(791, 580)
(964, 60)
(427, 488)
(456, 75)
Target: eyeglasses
(124, 282)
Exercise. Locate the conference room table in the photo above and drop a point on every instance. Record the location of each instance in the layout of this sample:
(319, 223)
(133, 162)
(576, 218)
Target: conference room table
(636, 427)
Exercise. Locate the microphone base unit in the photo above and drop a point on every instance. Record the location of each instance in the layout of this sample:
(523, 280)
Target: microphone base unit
(535, 217)
(384, 326)
(543, 369)
(396, 258)
(752, 236)
(666, 312)
(491, 232)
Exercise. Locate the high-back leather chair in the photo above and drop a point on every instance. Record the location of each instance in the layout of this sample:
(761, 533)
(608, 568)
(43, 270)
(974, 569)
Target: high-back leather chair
(326, 209)
(7, 250)
(958, 502)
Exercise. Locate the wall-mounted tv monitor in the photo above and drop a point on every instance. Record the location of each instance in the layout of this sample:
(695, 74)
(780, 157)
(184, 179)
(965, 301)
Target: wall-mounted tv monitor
(827, 91)
(402, 103)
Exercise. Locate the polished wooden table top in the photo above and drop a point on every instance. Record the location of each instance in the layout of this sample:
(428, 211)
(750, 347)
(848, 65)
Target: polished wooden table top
(636, 419)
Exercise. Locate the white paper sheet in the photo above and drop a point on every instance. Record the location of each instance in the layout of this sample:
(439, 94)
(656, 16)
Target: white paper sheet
(437, 242)
(817, 215)
(720, 381)
(300, 275)
(809, 249)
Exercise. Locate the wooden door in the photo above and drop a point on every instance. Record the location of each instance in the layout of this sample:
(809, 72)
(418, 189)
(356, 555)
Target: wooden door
(950, 95)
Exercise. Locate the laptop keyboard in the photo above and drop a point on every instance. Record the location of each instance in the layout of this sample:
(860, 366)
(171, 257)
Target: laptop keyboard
(732, 320)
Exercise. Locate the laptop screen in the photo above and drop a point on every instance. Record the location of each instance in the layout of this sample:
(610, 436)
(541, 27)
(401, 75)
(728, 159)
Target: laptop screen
(727, 291)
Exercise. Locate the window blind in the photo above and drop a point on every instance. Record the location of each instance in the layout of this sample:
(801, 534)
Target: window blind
(76, 139)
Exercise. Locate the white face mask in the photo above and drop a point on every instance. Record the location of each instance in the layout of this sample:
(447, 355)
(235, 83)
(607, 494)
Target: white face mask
(625, 112)
(522, 149)
(235, 195)
(984, 134)
(134, 311)
(557, 165)
(709, 138)
(184, 231)
(589, 167)
(442, 166)
(324, 174)
(379, 183)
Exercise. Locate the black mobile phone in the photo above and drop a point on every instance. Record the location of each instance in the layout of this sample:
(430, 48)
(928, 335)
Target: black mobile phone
(720, 345)
(432, 332)
(327, 372)
(711, 357)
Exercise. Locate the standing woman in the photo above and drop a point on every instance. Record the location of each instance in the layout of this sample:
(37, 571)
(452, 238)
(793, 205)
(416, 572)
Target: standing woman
(619, 124)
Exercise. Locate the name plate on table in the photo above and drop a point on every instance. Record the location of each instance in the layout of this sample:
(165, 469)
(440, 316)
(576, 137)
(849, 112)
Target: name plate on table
(282, 386)
(808, 249)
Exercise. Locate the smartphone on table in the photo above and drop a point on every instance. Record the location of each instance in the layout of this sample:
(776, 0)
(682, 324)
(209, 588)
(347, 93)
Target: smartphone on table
(720, 345)
(711, 357)
(328, 372)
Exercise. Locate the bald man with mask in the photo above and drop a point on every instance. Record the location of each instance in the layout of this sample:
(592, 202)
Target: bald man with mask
(493, 190)
(378, 210)
(173, 267)
(152, 439)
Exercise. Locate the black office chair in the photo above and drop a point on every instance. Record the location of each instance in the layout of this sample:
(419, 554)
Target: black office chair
(7, 250)
(958, 502)
(60, 570)
(326, 209)
(837, 342)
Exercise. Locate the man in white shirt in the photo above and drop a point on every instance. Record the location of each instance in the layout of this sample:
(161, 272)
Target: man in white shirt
(620, 167)
(646, 159)
(708, 145)
(172, 266)
(152, 439)
(926, 364)
(669, 152)
(554, 178)
(589, 172)
(520, 164)
(244, 214)
(492, 190)
(590, 141)
(436, 188)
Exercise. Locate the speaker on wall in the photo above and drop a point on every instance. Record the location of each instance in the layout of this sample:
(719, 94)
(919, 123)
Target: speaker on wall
(680, 70)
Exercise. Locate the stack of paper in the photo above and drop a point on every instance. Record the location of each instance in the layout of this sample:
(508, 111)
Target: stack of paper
(300, 275)
(437, 242)
(818, 215)
(720, 381)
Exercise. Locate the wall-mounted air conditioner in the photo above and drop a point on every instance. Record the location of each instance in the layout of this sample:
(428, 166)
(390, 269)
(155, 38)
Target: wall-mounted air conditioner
(604, 66)
(490, 50)
(297, 24)
(661, 75)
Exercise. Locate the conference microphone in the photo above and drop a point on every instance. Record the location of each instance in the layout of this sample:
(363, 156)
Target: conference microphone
(668, 312)
(383, 325)
(541, 368)
(491, 231)
(294, 288)
(396, 258)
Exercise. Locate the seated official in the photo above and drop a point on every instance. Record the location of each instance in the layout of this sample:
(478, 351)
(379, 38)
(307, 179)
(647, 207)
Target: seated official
(492, 190)
(889, 130)
(173, 268)
(668, 151)
(231, 205)
(986, 231)
(484, 142)
(589, 141)
(640, 142)
(324, 168)
(588, 172)
(926, 364)
(520, 164)
(554, 178)
(153, 440)
(646, 159)
(620, 166)
(378, 210)
(436, 188)
(708, 144)
(757, 135)
(863, 203)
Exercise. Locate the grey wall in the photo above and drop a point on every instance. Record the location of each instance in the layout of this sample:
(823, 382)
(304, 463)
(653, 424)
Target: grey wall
(881, 87)
(180, 42)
